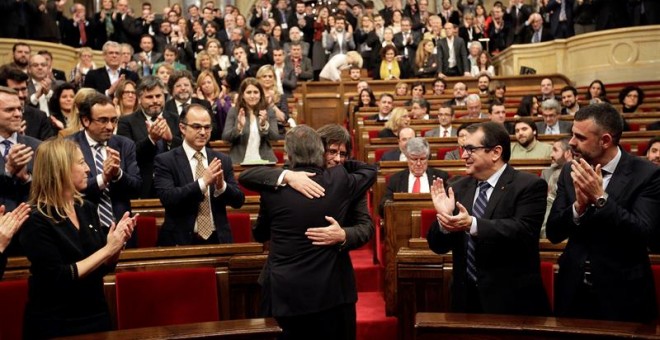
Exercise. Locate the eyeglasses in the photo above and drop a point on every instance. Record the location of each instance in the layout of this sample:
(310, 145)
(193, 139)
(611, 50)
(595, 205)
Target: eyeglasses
(333, 153)
(105, 120)
(199, 127)
(469, 149)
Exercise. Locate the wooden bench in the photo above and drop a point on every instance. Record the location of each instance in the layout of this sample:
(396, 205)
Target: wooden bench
(483, 326)
(258, 329)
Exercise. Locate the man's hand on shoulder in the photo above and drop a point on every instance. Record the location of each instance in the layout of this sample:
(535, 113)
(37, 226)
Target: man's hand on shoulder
(301, 182)
(327, 236)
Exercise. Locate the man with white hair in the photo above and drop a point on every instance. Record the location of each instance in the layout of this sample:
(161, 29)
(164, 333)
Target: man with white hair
(534, 32)
(473, 104)
(105, 79)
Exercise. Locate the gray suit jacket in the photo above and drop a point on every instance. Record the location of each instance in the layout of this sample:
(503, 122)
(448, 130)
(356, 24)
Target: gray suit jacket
(435, 132)
(564, 127)
(460, 52)
(334, 48)
(453, 155)
(239, 139)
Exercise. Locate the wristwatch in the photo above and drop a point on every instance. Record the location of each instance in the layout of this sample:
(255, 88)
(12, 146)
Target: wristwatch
(601, 201)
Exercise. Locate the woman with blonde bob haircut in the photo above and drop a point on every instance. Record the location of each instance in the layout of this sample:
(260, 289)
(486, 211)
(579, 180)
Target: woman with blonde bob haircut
(69, 253)
(400, 118)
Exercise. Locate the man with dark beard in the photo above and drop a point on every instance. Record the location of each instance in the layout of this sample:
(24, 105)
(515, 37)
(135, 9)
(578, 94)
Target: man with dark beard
(607, 207)
(527, 146)
(151, 128)
(180, 86)
(21, 53)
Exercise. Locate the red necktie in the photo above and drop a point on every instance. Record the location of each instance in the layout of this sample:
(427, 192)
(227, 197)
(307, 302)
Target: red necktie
(416, 186)
(83, 34)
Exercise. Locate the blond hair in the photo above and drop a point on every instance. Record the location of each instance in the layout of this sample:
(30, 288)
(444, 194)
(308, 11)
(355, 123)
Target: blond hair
(51, 178)
(216, 88)
(394, 123)
(73, 124)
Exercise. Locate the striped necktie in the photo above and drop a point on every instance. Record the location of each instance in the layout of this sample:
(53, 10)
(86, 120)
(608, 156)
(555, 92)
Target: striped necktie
(7, 143)
(105, 205)
(478, 210)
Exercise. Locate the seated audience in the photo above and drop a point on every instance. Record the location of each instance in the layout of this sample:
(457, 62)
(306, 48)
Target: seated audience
(445, 129)
(473, 105)
(528, 107)
(460, 92)
(399, 154)
(483, 85)
(569, 100)
(497, 112)
(399, 119)
(653, 150)
(418, 177)
(419, 109)
(597, 93)
(551, 124)
(401, 89)
(250, 125)
(497, 92)
(548, 90)
(439, 86)
(631, 97)
(527, 146)
(68, 249)
(461, 134)
(366, 99)
(385, 104)
(483, 66)
(561, 154)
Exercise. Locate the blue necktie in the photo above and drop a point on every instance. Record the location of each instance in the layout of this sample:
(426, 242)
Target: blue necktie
(105, 205)
(7, 143)
(478, 210)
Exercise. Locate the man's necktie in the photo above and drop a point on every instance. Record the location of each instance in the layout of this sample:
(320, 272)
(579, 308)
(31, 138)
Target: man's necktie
(548, 131)
(204, 225)
(536, 37)
(7, 143)
(83, 33)
(478, 210)
(562, 11)
(105, 205)
(445, 133)
(416, 189)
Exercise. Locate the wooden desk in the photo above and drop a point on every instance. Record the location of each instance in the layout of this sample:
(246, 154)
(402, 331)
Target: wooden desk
(483, 326)
(257, 329)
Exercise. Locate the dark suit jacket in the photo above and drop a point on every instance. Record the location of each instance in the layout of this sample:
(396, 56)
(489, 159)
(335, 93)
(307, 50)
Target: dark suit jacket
(392, 155)
(555, 9)
(180, 195)
(294, 264)
(465, 35)
(614, 238)
(37, 124)
(306, 71)
(57, 294)
(359, 228)
(528, 34)
(134, 127)
(234, 80)
(99, 80)
(507, 245)
(122, 190)
(564, 127)
(399, 183)
(460, 51)
(72, 33)
(12, 191)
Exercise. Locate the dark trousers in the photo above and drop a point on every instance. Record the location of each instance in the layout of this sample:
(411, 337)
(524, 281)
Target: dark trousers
(337, 323)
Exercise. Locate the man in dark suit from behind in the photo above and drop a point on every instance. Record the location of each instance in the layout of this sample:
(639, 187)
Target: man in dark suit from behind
(35, 122)
(312, 284)
(418, 177)
(151, 128)
(195, 184)
(493, 238)
(105, 79)
(114, 177)
(607, 207)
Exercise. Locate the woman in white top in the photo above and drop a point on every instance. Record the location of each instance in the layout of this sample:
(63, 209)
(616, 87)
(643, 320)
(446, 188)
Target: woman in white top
(483, 66)
(332, 70)
(250, 126)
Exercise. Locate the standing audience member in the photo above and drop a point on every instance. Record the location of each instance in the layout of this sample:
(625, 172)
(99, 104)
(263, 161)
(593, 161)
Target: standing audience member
(125, 98)
(10, 224)
(61, 106)
(561, 18)
(106, 79)
(67, 247)
(493, 238)
(452, 54)
(113, 179)
(84, 65)
(250, 126)
(607, 208)
(195, 211)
